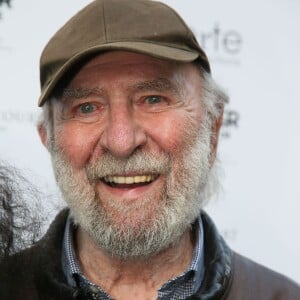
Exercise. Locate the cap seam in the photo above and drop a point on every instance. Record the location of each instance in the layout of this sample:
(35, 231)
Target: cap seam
(104, 21)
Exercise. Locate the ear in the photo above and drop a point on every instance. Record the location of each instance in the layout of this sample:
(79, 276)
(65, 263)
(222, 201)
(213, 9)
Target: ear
(42, 133)
(215, 130)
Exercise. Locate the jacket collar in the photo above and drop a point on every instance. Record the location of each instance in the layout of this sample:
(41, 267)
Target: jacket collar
(218, 263)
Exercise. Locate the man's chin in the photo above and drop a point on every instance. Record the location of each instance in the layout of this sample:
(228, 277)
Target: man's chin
(136, 233)
(133, 244)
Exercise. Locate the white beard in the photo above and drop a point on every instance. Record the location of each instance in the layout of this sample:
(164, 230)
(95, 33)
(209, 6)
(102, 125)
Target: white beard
(181, 199)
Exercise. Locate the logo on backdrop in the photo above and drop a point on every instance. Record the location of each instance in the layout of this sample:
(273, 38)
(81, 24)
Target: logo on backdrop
(231, 119)
(11, 117)
(222, 45)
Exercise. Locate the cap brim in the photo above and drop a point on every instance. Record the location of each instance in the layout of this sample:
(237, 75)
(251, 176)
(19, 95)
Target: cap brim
(155, 50)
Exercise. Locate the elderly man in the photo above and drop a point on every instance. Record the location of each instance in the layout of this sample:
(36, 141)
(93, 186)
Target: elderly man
(131, 118)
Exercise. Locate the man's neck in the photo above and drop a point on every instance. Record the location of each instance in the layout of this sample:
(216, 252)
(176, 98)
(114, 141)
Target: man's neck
(133, 278)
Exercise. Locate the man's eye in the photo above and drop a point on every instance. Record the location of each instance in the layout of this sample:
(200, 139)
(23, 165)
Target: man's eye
(86, 108)
(87, 112)
(154, 99)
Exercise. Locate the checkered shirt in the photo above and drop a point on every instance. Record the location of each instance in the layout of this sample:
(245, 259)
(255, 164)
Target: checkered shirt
(177, 288)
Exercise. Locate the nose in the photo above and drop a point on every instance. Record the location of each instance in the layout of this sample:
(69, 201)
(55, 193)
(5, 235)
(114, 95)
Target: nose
(122, 135)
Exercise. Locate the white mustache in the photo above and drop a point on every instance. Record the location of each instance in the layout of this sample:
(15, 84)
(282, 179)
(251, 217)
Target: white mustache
(140, 162)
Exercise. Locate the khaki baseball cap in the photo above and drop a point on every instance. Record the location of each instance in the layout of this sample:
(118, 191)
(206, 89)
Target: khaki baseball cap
(143, 26)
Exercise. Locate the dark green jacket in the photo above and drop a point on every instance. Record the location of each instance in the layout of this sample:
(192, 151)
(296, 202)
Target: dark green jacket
(36, 273)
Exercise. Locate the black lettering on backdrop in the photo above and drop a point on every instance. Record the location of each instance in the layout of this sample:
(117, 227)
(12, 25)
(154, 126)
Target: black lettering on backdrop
(222, 45)
(231, 119)
(219, 40)
(16, 116)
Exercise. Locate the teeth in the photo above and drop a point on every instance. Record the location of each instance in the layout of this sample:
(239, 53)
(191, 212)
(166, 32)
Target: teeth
(129, 179)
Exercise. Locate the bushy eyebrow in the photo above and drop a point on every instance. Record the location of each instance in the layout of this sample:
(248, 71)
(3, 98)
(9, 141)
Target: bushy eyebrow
(159, 85)
(80, 93)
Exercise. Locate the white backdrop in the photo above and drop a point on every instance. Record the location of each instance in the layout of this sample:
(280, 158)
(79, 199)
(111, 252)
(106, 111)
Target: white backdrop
(254, 51)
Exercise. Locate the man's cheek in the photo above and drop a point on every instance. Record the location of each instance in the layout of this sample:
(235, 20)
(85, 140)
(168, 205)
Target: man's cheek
(75, 149)
(171, 135)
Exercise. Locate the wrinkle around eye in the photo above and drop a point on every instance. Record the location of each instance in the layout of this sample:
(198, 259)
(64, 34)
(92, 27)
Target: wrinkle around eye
(75, 111)
(163, 104)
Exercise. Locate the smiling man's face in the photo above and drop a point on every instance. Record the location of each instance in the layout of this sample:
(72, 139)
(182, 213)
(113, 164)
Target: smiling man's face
(130, 150)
